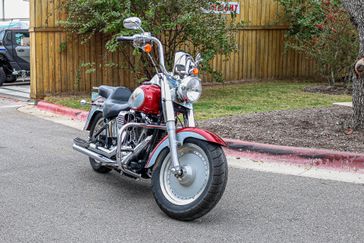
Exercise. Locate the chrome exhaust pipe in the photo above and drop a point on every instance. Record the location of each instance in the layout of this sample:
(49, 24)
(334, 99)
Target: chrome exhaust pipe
(105, 161)
(98, 157)
(103, 151)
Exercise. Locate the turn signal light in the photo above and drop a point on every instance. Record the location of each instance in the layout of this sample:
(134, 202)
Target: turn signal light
(148, 48)
(195, 71)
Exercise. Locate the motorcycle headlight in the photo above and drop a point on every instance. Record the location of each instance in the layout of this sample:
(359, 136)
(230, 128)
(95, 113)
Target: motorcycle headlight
(190, 89)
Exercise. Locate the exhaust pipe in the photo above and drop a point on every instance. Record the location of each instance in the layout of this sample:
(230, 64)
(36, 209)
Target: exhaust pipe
(95, 156)
(105, 161)
(82, 147)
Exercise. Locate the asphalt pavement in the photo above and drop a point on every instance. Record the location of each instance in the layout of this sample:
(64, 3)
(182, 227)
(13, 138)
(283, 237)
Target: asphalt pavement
(20, 90)
(49, 193)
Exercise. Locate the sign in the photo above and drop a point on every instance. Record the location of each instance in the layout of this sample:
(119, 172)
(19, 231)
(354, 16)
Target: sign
(224, 8)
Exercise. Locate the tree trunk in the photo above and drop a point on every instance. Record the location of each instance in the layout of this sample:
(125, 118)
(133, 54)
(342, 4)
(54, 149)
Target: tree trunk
(356, 11)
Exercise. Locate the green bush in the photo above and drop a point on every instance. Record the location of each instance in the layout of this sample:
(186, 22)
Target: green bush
(323, 31)
(181, 23)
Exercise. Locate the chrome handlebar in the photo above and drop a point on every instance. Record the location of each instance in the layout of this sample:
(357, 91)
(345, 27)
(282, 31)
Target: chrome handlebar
(125, 38)
(146, 38)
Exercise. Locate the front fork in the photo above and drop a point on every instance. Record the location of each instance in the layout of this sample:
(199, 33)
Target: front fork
(169, 116)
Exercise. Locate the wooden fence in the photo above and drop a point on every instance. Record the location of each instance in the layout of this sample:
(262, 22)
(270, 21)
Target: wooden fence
(57, 57)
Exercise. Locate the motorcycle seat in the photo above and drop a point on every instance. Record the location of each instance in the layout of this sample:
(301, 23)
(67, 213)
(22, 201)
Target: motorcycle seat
(105, 91)
(116, 101)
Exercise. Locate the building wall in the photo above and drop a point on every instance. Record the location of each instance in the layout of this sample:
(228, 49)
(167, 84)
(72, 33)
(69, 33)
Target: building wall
(57, 56)
(15, 9)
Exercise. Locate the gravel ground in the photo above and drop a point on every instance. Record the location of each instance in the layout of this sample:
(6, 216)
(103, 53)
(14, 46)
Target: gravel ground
(314, 128)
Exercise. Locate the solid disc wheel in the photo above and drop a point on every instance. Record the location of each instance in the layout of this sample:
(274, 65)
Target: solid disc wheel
(201, 186)
(98, 123)
(196, 171)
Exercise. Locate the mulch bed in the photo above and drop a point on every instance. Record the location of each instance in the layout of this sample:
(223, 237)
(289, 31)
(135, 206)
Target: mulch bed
(332, 90)
(324, 128)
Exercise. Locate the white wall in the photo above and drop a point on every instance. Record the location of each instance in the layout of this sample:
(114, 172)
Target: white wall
(15, 9)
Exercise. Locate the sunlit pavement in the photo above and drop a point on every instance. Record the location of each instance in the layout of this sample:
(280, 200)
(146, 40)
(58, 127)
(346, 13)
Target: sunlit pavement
(48, 192)
(19, 90)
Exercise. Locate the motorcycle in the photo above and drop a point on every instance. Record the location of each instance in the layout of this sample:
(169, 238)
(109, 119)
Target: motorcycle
(150, 133)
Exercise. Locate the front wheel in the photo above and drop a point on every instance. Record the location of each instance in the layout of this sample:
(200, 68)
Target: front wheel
(200, 188)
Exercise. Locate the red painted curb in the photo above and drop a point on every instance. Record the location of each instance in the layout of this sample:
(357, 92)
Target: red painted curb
(258, 151)
(295, 155)
(64, 111)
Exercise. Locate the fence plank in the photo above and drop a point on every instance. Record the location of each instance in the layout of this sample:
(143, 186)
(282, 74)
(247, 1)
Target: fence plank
(57, 56)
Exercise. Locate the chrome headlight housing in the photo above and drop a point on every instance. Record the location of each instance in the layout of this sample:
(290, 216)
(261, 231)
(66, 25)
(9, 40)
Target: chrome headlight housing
(190, 89)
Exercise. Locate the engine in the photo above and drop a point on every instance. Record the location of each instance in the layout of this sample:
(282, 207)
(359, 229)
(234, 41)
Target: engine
(134, 135)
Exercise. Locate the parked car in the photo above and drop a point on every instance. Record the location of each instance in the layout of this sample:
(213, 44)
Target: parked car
(14, 54)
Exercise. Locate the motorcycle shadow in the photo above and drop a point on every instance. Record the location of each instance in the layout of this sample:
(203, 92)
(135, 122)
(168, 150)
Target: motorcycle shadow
(117, 189)
(116, 184)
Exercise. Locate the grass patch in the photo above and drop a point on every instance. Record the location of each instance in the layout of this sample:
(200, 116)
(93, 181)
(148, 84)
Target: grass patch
(240, 99)
(72, 101)
(228, 100)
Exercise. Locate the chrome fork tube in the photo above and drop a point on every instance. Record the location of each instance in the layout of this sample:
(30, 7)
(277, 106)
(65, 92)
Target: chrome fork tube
(171, 128)
(168, 112)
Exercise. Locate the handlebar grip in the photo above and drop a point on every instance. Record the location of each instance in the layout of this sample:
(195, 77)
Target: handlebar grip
(125, 38)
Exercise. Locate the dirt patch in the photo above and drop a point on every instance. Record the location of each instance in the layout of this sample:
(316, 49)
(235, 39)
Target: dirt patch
(313, 128)
(332, 90)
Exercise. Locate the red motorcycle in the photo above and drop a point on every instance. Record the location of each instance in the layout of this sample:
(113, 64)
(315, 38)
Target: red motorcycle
(150, 133)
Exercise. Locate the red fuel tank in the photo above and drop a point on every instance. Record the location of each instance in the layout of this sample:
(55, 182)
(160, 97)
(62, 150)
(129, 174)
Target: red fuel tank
(146, 99)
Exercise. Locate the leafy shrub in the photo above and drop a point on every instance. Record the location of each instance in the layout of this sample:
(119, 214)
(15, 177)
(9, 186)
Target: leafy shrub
(323, 31)
(179, 23)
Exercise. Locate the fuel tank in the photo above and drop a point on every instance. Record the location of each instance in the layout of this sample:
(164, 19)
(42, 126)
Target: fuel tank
(146, 99)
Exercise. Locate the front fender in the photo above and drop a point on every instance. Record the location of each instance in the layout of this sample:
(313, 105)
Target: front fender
(182, 135)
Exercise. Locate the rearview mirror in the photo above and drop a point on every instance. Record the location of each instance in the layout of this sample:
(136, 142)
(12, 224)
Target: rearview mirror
(132, 23)
(198, 59)
(83, 102)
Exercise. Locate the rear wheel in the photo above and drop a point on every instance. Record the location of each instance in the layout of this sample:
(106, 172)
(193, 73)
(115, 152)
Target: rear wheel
(201, 186)
(98, 123)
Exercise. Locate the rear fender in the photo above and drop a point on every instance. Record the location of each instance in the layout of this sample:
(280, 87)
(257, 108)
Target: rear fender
(91, 115)
(182, 135)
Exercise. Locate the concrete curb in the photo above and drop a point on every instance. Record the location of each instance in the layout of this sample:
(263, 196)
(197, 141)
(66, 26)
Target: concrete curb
(257, 151)
(295, 155)
(74, 114)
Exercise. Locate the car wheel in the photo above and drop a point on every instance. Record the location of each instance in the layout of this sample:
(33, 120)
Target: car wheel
(2, 76)
(11, 78)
